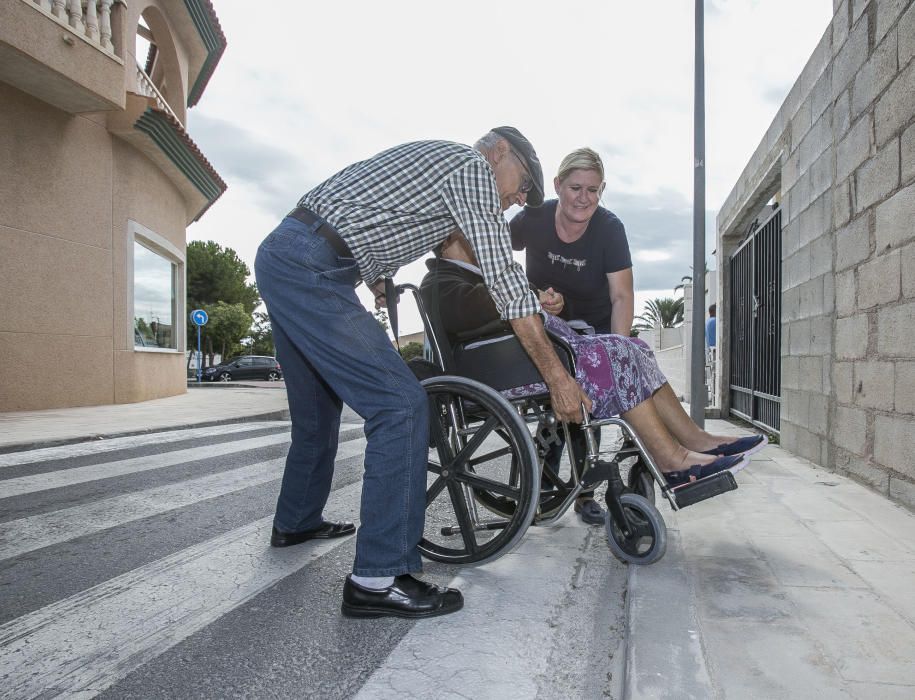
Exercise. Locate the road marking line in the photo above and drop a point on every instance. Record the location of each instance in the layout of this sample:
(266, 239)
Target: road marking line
(96, 447)
(134, 465)
(89, 641)
(28, 534)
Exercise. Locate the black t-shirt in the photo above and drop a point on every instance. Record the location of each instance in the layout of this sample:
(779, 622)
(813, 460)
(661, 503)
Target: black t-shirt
(577, 270)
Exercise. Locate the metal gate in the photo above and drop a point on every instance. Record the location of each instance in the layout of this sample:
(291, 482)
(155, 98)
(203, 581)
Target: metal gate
(755, 326)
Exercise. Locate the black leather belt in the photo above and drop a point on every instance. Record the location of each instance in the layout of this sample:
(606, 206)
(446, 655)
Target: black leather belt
(324, 229)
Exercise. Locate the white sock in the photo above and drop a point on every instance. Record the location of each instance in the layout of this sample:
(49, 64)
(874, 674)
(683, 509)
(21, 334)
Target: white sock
(375, 583)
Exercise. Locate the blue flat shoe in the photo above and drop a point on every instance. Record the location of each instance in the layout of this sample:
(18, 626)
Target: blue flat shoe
(746, 446)
(682, 477)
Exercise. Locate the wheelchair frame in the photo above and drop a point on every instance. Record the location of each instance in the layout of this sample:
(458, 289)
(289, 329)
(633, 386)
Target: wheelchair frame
(466, 414)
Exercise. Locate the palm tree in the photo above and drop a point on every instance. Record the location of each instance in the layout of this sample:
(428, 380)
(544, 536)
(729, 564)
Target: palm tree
(665, 313)
(689, 279)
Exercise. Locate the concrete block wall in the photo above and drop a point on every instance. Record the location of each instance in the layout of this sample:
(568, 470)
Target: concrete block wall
(841, 154)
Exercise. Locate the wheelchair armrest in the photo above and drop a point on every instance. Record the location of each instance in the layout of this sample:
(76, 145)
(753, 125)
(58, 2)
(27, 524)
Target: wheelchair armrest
(581, 327)
(501, 362)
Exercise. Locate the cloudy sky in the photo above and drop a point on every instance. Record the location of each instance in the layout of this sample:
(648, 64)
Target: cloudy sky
(304, 89)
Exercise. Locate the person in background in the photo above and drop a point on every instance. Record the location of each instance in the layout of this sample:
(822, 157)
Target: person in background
(711, 327)
(578, 249)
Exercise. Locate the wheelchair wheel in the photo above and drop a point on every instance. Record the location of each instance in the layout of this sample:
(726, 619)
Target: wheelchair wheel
(640, 481)
(646, 542)
(480, 445)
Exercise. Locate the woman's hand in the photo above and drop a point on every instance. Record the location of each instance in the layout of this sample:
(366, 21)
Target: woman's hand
(551, 301)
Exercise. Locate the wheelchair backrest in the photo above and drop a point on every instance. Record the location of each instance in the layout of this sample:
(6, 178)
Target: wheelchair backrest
(496, 359)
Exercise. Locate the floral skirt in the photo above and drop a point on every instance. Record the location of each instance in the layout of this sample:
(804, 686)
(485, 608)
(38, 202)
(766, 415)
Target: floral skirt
(617, 373)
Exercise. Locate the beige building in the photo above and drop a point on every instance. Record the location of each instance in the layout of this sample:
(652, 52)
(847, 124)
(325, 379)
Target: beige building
(100, 180)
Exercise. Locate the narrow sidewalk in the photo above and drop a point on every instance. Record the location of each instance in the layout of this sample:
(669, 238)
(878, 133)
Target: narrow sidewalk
(200, 406)
(799, 584)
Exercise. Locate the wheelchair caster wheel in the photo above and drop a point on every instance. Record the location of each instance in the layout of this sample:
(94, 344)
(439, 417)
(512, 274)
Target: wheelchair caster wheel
(646, 541)
(641, 482)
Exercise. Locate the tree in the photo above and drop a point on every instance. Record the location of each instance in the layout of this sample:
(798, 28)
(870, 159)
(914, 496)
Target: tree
(411, 350)
(665, 312)
(262, 335)
(228, 324)
(382, 317)
(688, 279)
(216, 274)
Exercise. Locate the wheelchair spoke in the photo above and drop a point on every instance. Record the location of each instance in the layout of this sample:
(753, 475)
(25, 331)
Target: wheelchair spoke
(435, 490)
(437, 433)
(479, 436)
(463, 516)
(481, 482)
(489, 456)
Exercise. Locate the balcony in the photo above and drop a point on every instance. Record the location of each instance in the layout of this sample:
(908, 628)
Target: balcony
(63, 53)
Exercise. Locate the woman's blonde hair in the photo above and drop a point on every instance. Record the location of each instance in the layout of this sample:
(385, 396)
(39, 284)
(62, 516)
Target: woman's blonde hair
(581, 159)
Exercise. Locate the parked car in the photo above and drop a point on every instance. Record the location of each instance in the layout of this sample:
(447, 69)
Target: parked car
(245, 367)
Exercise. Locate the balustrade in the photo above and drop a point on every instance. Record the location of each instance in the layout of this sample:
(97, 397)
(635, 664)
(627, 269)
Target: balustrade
(88, 18)
(147, 88)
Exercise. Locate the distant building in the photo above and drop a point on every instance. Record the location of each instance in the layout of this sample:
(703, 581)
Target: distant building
(816, 255)
(418, 337)
(100, 180)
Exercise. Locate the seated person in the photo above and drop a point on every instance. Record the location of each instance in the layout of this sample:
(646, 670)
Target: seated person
(619, 374)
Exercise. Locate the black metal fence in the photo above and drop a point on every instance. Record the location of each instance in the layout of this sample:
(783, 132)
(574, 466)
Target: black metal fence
(755, 326)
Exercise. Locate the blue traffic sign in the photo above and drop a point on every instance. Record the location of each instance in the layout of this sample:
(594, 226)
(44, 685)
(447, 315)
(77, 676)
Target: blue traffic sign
(199, 317)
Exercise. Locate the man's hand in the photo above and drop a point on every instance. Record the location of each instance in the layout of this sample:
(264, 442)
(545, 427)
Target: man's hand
(566, 395)
(551, 301)
(381, 301)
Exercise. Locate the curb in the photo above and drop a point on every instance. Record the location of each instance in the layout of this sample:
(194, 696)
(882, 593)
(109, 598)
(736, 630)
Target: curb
(22, 447)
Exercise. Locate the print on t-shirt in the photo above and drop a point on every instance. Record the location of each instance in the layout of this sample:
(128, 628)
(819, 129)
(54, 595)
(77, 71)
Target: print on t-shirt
(566, 262)
(577, 270)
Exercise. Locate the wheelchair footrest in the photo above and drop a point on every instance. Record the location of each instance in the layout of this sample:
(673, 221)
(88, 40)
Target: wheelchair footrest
(700, 490)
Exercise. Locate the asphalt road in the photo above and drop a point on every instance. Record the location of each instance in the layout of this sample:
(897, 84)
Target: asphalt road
(139, 567)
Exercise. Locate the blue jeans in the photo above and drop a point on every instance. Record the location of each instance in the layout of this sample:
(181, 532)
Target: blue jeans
(332, 351)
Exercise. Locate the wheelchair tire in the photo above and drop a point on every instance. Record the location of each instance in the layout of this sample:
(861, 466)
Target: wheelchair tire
(640, 481)
(647, 541)
(480, 444)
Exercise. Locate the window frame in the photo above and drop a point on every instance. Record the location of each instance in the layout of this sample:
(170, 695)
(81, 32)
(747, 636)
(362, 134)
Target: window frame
(155, 243)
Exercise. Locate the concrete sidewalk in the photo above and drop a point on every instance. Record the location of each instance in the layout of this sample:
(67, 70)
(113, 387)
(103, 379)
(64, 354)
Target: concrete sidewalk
(800, 584)
(211, 404)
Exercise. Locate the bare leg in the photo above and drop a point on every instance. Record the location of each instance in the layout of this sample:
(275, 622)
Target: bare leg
(681, 425)
(667, 453)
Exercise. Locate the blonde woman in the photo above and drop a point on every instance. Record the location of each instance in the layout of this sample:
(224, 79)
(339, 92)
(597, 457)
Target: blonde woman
(577, 250)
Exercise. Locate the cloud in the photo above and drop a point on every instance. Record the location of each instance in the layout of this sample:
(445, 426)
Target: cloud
(659, 227)
(273, 174)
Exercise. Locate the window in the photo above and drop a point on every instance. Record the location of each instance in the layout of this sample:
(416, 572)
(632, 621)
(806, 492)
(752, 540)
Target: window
(154, 299)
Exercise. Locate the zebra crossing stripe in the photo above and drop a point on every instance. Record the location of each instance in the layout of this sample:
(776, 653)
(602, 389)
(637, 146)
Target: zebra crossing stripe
(134, 465)
(28, 534)
(87, 642)
(96, 447)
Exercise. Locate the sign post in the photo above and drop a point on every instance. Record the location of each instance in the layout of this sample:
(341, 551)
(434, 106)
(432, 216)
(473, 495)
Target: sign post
(199, 318)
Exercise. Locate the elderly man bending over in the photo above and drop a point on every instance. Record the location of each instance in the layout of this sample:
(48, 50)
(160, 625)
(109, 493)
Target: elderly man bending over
(361, 225)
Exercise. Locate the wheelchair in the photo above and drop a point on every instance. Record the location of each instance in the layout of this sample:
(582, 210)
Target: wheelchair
(487, 478)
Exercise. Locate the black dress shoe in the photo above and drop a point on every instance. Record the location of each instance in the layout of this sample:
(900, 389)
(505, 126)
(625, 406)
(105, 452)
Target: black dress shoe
(325, 531)
(406, 597)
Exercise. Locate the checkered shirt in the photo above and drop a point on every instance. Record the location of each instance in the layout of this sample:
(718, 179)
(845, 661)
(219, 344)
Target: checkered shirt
(398, 205)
